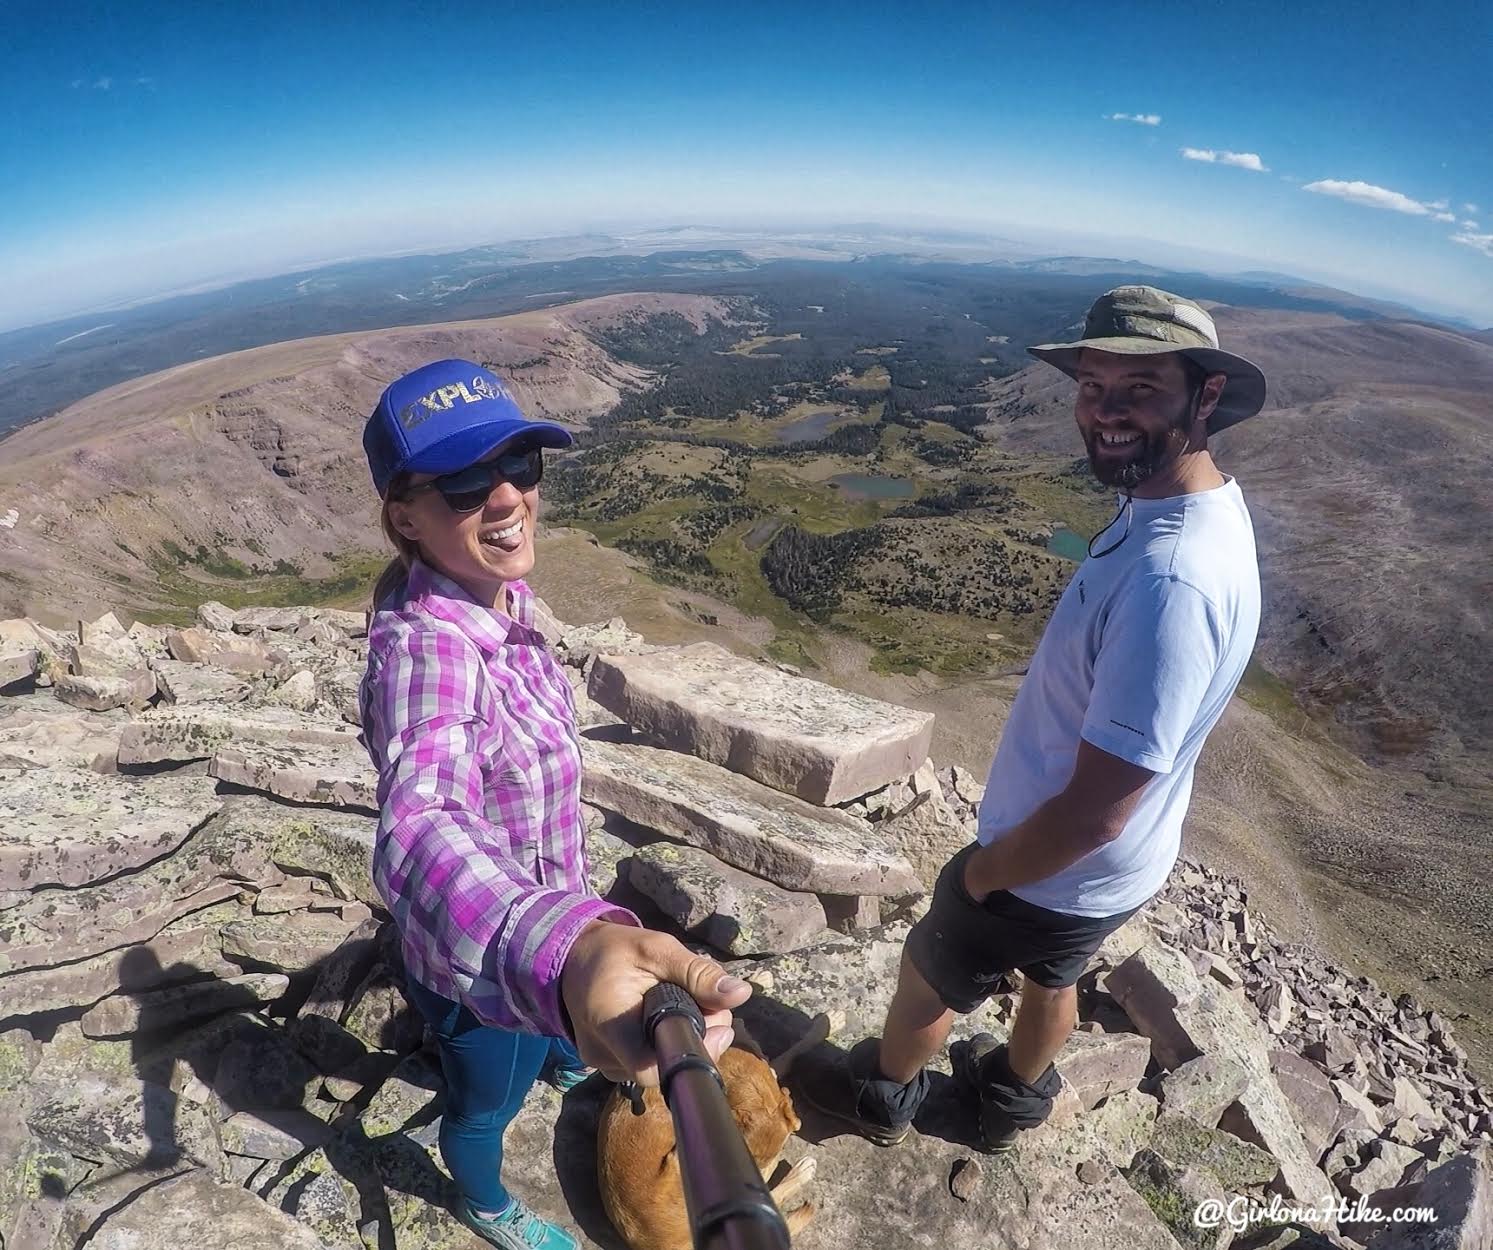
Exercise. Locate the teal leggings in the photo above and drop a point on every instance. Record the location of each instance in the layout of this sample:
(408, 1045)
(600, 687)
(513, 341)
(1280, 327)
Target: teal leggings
(488, 1074)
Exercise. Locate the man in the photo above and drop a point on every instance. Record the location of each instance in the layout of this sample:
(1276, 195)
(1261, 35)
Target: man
(1082, 816)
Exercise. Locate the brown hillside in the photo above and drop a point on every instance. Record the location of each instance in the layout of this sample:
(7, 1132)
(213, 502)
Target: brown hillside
(255, 457)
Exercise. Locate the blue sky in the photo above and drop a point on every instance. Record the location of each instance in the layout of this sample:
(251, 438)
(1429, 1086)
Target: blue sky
(152, 147)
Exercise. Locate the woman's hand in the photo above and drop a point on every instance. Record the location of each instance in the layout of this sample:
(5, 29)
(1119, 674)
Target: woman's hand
(609, 969)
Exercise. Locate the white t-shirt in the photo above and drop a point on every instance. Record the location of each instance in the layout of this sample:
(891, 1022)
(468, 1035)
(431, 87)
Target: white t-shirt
(1140, 659)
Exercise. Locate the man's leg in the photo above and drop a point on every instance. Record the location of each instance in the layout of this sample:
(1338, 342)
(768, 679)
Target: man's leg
(917, 1024)
(1044, 1019)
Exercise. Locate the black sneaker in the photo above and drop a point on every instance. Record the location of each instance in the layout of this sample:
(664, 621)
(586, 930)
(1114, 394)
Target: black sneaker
(998, 1131)
(849, 1088)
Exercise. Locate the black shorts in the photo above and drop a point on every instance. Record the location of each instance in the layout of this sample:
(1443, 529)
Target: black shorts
(964, 949)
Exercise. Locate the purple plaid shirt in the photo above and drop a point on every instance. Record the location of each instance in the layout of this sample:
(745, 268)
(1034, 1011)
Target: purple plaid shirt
(480, 853)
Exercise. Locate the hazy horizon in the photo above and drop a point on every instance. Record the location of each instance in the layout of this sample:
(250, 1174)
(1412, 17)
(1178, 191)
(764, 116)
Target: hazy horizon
(153, 151)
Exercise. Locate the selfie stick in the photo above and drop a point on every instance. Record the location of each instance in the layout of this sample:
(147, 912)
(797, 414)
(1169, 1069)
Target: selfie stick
(729, 1206)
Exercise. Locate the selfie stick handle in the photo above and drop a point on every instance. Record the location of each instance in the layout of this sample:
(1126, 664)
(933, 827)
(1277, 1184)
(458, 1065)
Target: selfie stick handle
(729, 1206)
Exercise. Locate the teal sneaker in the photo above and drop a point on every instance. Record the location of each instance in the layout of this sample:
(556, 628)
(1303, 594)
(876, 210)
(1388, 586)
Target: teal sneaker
(517, 1228)
(566, 1079)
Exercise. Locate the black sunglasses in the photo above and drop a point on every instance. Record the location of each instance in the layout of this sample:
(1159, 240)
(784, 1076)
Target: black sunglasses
(468, 489)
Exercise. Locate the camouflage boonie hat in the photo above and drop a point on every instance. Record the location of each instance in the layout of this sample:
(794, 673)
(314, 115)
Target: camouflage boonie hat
(1145, 321)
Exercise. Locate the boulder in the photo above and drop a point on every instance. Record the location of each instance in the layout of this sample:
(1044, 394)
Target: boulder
(215, 617)
(1354, 1100)
(194, 1210)
(17, 665)
(761, 831)
(337, 775)
(101, 694)
(926, 836)
(1384, 1168)
(293, 943)
(1100, 1064)
(1460, 1193)
(1174, 1192)
(264, 1071)
(326, 846)
(246, 656)
(70, 828)
(606, 855)
(1122, 1125)
(179, 1006)
(736, 913)
(272, 1134)
(297, 691)
(1204, 1088)
(380, 1017)
(799, 736)
(182, 685)
(1238, 1165)
(1186, 1016)
(247, 620)
(1310, 1093)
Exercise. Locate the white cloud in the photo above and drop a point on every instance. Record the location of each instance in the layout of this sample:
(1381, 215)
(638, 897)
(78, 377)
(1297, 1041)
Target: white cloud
(1469, 224)
(1477, 242)
(1439, 205)
(103, 84)
(1471, 208)
(1243, 160)
(1141, 119)
(1367, 194)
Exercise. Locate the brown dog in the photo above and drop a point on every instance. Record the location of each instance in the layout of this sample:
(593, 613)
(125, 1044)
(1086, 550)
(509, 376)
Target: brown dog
(638, 1166)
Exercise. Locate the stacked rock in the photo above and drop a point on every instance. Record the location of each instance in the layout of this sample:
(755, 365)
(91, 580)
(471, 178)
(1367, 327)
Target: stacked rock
(204, 1033)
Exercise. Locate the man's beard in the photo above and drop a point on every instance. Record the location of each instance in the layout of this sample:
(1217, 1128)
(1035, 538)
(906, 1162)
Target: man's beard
(1157, 451)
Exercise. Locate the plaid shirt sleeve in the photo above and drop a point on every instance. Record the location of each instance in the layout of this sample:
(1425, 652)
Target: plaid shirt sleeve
(478, 918)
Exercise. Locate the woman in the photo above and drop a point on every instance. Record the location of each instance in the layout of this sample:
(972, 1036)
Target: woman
(509, 956)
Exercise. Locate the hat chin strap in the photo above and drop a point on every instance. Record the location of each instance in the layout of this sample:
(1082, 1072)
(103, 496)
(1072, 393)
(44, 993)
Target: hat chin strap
(1126, 510)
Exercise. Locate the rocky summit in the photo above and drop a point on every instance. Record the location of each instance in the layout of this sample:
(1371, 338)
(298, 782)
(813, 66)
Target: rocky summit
(205, 1038)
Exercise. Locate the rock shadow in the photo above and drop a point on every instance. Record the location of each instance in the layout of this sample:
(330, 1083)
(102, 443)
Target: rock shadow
(947, 1113)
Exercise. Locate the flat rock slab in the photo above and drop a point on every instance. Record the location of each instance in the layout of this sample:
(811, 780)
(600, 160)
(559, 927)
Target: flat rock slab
(194, 1210)
(71, 828)
(128, 1122)
(331, 774)
(199, 731)
(38, 731)
(184, 950)
(771, 835)
(799, 736)
(178, 1006)
(736, 913)
(183, 684)
(291, 944)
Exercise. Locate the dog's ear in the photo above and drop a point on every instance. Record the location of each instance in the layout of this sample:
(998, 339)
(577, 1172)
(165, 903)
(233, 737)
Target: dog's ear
(820, 1027)
(744, 1040)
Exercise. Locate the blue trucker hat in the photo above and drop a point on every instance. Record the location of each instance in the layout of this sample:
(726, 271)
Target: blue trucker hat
(443, 417)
